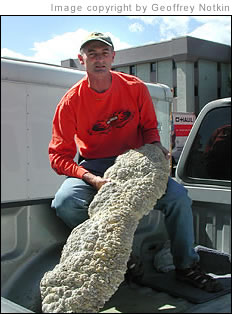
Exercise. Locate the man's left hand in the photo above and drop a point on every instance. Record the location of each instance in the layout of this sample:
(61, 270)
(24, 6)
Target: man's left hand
(164, 150)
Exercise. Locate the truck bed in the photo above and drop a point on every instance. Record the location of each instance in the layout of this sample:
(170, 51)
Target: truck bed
(138, 299)
(42, 253)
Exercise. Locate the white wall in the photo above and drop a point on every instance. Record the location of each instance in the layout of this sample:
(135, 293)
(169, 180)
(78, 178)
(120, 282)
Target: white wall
(185, 86)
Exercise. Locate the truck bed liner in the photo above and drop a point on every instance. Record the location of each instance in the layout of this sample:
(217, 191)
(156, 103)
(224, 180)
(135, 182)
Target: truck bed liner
(23, 289)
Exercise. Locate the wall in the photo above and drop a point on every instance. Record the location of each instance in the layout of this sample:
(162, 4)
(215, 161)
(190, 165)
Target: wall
(143, 71)
(164, 74)
(125, 69)
(207, 88)
(225, 80)
(185, 86)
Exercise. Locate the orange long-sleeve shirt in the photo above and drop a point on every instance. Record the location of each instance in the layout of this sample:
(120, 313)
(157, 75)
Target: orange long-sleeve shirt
(101, 124)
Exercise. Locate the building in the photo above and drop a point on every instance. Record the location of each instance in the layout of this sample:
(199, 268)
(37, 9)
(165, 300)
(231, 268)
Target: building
(198, 70)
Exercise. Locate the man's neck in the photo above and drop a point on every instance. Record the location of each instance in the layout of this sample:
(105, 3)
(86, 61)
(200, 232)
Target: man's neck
(99, 83)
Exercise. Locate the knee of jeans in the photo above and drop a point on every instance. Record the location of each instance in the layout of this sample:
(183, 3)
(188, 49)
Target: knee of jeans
(67, 202)
(180, 204)
(71, 210)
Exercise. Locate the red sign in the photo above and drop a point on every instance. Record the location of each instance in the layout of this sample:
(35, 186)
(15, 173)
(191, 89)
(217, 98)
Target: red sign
(182, 124)
(182, 129)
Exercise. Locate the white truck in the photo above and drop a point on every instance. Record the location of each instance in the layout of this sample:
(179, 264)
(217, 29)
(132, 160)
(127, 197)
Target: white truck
(32, 235)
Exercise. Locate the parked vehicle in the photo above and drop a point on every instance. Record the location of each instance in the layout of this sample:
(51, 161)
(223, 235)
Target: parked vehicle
(33, 236)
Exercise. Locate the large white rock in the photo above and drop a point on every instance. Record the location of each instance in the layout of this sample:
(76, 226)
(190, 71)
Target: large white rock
(94, 259)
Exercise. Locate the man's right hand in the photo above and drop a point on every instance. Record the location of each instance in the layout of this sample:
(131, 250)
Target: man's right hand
(96, 181)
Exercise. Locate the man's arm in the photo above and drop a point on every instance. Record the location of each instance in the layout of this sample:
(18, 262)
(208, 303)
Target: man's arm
(149, 121)
(62, 147)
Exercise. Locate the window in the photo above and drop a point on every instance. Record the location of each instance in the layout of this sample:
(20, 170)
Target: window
(153, 67)
(133, 70)
(210, 155)
(153, 72)
(173, 64)
(174, 91)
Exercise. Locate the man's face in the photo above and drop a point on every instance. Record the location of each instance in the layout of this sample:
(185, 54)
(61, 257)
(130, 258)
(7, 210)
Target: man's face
(97, 57)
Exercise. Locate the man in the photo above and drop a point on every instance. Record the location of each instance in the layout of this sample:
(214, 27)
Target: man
(105, 114)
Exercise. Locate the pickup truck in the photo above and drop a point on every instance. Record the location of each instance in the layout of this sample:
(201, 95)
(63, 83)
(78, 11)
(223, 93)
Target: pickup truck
(32, 235)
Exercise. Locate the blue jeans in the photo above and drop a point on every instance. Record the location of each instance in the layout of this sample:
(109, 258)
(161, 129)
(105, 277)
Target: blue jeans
(72, 200)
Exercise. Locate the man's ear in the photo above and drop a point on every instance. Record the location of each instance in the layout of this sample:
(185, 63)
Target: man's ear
(80, 57)
(113, 55)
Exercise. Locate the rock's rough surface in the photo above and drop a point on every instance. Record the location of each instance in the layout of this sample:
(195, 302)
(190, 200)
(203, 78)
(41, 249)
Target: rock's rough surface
(94, 259)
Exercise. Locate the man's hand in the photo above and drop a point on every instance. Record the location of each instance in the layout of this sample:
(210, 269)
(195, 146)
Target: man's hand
(164, 150)
(96, 181)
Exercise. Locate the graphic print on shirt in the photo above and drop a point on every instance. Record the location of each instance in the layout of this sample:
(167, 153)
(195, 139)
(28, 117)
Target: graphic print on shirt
(117, 120)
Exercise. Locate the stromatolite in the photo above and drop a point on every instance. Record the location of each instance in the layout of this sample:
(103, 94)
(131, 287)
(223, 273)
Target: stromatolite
(94, 259)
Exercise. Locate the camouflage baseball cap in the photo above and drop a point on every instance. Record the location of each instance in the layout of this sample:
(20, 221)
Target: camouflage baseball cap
(97, 36)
